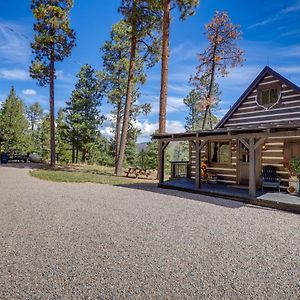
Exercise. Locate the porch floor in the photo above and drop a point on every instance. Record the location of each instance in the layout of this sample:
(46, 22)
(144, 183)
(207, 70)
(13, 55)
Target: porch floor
(271, 199)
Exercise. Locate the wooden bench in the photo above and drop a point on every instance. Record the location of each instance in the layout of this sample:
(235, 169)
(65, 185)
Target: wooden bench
(137, 172)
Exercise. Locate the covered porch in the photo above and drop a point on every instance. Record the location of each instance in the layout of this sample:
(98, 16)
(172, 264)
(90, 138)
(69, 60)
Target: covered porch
(269, 198)
(252, 139)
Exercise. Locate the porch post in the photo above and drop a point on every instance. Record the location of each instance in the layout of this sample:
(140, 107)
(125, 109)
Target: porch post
(198, 164)
(161, 164)
(252, 177)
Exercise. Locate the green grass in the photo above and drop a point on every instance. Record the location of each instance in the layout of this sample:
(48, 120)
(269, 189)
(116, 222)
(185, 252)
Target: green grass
(83, 174)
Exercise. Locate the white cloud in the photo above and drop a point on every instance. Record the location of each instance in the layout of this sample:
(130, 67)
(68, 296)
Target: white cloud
(14, 74)
(29, 92)
(14, 45)
(147, 128)
(291, 9)
(107, 131)
(262, 23)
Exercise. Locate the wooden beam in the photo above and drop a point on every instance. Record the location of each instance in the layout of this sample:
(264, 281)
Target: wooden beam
(244, 143)
(161, 161)
(203, 145)
(259, 142)
(252, 177)
(165, 145)
(198, 164)
(290, 133)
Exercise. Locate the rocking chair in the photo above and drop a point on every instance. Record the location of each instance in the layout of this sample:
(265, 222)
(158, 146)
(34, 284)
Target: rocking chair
(270, 178)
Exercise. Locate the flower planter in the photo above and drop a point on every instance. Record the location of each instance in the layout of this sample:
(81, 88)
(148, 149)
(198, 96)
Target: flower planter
(293, 185)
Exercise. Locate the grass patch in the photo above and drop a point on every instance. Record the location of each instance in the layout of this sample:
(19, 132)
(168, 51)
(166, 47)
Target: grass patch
(83, 174)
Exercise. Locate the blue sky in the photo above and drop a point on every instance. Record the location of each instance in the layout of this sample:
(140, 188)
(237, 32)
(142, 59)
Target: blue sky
(271, 36)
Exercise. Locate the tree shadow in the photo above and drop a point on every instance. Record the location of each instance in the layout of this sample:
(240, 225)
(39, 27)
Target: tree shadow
(22, 165)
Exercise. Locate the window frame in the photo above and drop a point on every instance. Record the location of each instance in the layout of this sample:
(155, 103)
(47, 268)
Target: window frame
(218, 163)
(269, 87)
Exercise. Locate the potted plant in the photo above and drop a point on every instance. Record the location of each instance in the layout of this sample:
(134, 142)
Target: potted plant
(293, 167)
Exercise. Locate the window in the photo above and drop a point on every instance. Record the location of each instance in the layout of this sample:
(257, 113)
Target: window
(269, 97)
(219, 152)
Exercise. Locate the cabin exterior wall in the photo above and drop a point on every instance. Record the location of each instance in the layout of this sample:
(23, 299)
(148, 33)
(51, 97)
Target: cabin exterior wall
(274, 154)
(225, 173)
(249, 114)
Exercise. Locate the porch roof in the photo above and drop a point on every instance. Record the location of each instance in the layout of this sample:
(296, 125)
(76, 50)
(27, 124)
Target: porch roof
(237, 132)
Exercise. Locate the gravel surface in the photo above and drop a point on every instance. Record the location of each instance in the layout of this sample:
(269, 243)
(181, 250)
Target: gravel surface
(88, 241)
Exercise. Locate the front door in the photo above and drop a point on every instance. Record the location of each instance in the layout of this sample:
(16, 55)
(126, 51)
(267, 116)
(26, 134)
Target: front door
(244, 165)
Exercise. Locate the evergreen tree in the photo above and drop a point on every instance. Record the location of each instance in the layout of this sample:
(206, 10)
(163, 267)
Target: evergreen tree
(14, 124)
(151, 155)
(53, 42)
(116, 55)
(194, 101)
(62, 144)
(186, 8)
(144, 21)
(43, 133)
(131, 147)
(35, 114)
(221, 54)
(82, 112)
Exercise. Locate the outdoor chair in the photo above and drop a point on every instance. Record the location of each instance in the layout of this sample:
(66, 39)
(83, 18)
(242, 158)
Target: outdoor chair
(270, 178)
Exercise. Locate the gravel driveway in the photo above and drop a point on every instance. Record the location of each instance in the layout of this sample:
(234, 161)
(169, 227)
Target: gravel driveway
(88, 241)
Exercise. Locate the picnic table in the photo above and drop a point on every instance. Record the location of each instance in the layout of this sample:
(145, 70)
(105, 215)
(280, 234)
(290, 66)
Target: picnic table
(136, 171)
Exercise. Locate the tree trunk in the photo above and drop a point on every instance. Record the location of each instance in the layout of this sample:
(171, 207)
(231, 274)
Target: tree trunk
(164, 67)
(212, 79)
(118, 134)
(128, 101)
(210, 119)
(77, 150)
(73, 151)
(52, 115)
(83, 156)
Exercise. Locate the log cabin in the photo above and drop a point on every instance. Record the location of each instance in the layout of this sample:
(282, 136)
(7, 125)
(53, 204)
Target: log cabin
(262, 128)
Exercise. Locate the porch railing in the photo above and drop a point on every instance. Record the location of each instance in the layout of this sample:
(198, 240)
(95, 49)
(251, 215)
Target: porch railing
(180, 169)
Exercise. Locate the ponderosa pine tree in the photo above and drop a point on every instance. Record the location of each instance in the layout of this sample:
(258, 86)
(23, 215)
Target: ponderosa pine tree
(83, 111)
(14, 125)
(221, 54)
(114, 79)
(35, 114)
(144, 20)
(53, 42)
(62, 143)
(43, 133)
(186, 8)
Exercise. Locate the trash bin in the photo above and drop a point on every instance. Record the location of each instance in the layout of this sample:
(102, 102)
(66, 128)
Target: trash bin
(4, 158)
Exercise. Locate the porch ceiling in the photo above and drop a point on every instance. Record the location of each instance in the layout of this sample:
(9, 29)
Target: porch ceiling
(233, 133)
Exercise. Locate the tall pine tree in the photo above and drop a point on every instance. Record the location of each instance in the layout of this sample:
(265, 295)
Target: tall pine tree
(186, 8)
(14, 124)
(144, 20)
(83, 112)
(53, 42)
(221, 54)
(116, 55)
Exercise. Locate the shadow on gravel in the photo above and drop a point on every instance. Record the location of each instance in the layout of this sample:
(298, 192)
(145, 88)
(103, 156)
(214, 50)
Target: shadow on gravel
(153, 188)
(20, 165)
